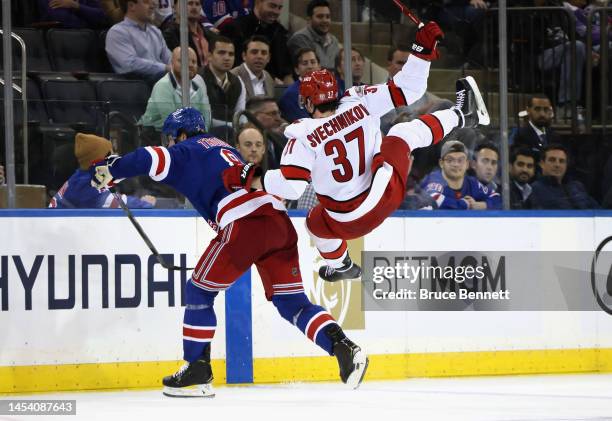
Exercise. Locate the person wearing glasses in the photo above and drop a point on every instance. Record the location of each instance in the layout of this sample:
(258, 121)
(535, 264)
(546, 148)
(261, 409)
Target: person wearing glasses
(451, 188)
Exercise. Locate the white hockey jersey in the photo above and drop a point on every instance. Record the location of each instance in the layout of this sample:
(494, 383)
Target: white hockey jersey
(335, 153)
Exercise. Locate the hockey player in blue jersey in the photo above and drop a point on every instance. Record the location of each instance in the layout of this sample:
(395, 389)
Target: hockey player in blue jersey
(450, 188)
(252, 228)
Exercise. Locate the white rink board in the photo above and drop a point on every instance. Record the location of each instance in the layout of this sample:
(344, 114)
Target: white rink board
(96, 334)
(416, 332)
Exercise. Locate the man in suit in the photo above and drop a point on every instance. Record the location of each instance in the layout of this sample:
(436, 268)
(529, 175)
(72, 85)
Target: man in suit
(256, 80)
(264, 22)
(537, 133)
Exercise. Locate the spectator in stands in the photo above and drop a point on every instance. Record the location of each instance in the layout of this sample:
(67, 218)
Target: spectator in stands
(251, 144)
(537, 133)
(256, 80)
(199, 37)
(223, 12)
(316, 34)
(264, 21)
(77, 192)
(166, 96)
(357, 67)
(522, 171)
(427, 104)
(74, 14)
(2, 177)
(306, 60)
(553, 45)
(113, 11)
(396, 58)
(484, 165)
(134, 46)
(162, 15)
(268, 116)
(226, 91)
(451, 188)
(465, 18)
(553, 189)
(581, 9)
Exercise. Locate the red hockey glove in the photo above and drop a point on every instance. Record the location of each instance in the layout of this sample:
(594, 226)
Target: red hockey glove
(239, 177)
(425, 44)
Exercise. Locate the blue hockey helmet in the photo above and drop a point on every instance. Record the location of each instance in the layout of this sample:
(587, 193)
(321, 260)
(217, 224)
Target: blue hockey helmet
(186, 120)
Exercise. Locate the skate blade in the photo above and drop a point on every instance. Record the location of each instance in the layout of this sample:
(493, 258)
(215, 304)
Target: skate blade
(483, 114)
(361, 362)
(356, 278)
(195, 391)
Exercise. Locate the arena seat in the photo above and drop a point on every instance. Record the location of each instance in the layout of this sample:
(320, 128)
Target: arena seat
(73, 50)
(128, 97)
(71, 102)
(36, 50)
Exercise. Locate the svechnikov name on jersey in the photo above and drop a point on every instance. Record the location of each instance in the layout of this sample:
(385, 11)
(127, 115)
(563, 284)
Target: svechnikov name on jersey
(336, 124)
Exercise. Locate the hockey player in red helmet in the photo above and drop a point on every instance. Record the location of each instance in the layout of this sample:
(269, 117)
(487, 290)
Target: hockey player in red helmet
(319, 86)
(358, 175)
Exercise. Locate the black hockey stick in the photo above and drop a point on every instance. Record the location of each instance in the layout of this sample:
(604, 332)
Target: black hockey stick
(143, 235)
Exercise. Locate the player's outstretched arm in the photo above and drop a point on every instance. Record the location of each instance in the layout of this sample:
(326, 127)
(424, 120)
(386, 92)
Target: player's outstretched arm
(152, 161)
(291, 179)
(409, 84)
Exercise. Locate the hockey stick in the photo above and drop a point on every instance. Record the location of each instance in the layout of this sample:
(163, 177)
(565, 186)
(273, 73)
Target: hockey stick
(408, 13)
(143, 235)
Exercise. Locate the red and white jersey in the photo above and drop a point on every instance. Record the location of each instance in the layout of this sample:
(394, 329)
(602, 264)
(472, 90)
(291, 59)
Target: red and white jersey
(336, 153)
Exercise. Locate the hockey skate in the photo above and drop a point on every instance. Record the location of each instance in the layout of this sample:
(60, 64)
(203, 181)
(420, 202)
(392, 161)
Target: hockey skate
(470, 106)
(349, 270)
(353, 362)
(192, 380)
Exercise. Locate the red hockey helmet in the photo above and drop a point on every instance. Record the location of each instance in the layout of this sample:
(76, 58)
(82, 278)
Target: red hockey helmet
(320, 86)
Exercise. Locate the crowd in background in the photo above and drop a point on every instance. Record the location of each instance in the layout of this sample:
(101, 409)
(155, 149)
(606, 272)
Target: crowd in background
(244, 73)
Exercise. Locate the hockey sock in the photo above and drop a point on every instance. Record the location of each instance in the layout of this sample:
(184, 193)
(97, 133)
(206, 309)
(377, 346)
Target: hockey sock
(427, 129)
(199, 321)
(332, 250)
(311, 319)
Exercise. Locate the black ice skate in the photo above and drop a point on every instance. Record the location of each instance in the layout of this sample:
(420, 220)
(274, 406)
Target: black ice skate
(191, 380)
(349, 270)
(352, 361)
(470, 106)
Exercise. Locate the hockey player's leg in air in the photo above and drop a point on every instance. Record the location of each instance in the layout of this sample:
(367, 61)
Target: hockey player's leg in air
(358, 176)
(330, 231)
(252, 228)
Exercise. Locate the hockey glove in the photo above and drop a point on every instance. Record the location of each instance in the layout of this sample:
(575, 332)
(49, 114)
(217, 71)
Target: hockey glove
(239, 177)
(425, 44)
(101, 177)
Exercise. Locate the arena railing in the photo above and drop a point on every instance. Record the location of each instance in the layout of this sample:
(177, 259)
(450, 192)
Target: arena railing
(604, 83)
(525, 75)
